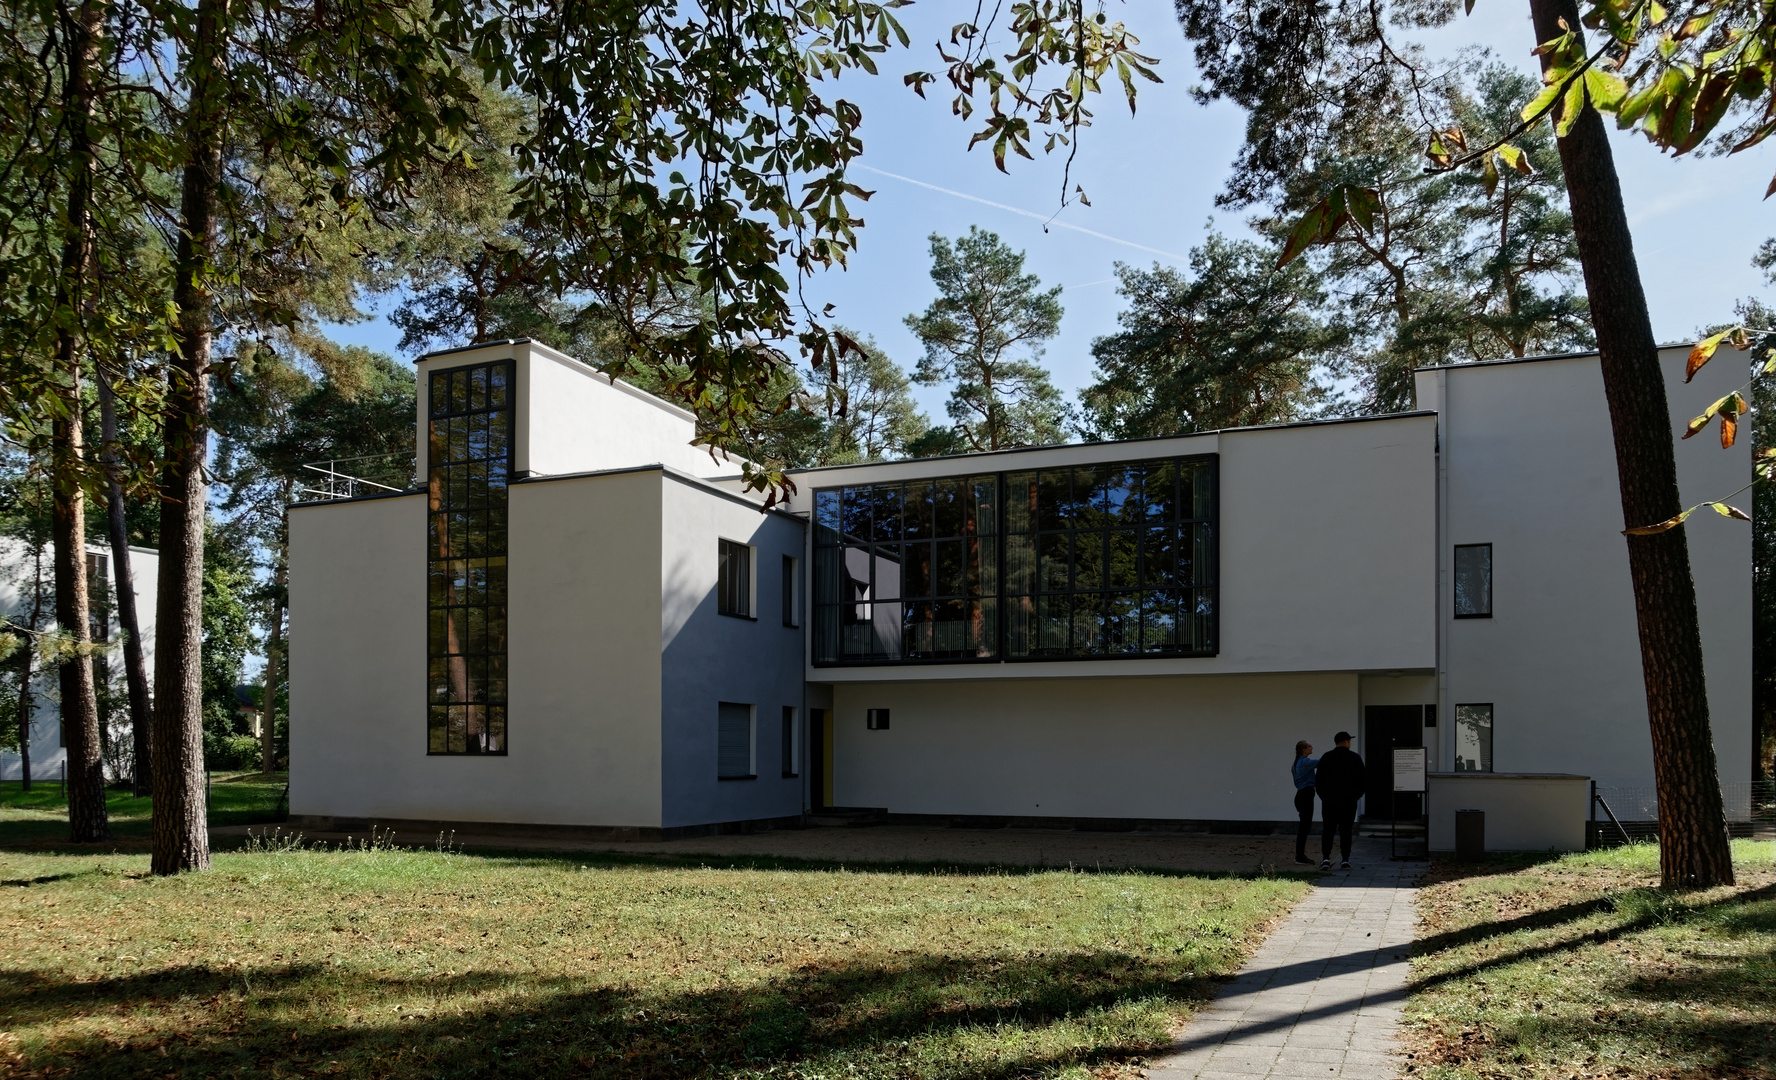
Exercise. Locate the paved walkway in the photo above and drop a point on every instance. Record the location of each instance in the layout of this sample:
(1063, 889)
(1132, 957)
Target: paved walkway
(1322, 998)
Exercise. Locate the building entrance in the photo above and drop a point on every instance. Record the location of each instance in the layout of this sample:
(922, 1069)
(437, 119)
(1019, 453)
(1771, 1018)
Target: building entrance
(820, 757)
(1387, 728)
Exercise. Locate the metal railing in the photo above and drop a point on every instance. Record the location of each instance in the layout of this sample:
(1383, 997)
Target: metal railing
(1629, 814)
(331, 482)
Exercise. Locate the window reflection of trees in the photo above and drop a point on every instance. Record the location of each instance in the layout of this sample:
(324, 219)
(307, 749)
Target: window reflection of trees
(469, 431)
(1099, 561)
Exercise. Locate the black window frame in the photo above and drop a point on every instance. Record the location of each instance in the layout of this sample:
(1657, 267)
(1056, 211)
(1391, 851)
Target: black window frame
(467, 553)
(1455, 582)
(739, 584)
(790, 750)
(836, 532)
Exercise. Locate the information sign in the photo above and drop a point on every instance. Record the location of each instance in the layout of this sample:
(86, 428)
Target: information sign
(1409, 769)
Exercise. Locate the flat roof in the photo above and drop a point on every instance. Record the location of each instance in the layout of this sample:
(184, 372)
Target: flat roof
(1539, 358)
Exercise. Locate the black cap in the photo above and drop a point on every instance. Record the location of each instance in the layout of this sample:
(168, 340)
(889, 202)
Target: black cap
(1343, 736)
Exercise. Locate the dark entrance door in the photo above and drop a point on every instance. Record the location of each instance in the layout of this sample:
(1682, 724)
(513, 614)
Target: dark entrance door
(1387, 728)
(820, 758)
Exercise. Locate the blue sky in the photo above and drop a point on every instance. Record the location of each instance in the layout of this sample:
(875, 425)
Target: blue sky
(1152, 180)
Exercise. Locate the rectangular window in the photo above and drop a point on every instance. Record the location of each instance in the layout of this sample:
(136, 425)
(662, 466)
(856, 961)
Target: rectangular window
(733, 589)
(1473, 581)
(734, 741)
(1111, 560)
(469, 466)
(1473, 738)
(98, 597)
(907, 572)
(791, 609)
(791, 744)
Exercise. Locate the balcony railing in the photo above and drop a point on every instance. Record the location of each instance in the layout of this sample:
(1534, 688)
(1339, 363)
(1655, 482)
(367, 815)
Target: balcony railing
(349, 478)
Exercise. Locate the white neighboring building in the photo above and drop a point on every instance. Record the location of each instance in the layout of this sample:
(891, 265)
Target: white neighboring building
(48, 752)
(583, 621)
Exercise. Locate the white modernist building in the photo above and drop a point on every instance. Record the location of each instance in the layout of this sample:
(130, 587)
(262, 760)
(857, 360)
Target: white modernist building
(27, 585)
(578, 619)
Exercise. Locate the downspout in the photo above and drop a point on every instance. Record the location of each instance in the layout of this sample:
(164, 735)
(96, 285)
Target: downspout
(1445, 761)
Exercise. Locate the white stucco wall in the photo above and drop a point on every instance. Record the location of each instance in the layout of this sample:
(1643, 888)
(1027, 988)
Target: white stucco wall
(572, 419)
(16, 567)
(1327, 548)
(1530, 468)
(1200, 748)
(709, 657)
(1523, 813)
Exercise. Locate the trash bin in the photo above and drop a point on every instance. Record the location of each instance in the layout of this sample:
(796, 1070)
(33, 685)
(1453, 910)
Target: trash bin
(1470, 835)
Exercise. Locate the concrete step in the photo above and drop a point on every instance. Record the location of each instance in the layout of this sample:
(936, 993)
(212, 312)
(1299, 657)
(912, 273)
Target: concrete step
(845, 817)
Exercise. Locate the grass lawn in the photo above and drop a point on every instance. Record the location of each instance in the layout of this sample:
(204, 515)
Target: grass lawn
(1580, 967)
(412, 963)
(39, 817)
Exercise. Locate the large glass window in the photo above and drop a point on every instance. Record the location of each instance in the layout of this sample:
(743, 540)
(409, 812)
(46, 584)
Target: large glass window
(1093, 561)
(733, 579)
(907, 571)
(1473, 581)
(1473, 738)
(1111, 560)
(470, 463)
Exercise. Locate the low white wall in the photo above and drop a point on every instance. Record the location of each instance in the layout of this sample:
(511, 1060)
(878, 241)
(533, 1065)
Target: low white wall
(1524, 812)
(1206, 747)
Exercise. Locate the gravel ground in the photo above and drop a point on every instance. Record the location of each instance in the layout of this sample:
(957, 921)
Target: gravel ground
(888, 843)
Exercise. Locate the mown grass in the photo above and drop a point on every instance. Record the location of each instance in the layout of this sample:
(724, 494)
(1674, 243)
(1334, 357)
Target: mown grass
(39, 817)
(1579, 966)
(408, 963)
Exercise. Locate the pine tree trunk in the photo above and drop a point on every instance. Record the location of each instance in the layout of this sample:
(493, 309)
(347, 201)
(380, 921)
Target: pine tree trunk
(79, 706)
(135, 667)
(181, 838)
(1693, 848)
(273, 653)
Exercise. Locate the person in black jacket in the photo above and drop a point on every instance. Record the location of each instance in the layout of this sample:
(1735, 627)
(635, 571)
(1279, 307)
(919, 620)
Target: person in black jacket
(1340, 779)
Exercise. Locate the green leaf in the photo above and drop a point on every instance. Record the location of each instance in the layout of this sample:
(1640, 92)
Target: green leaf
(1540, 104)
(1516, 159)
(1489, 175)
(1605, 88)
(1572, 106)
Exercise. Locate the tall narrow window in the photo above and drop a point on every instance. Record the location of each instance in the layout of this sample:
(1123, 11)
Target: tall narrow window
(792, 744)
(791, 609)
(98, 597)
(734, 741)
(1473, 738)
(1473, 581)
(733, 586)
(470, 464)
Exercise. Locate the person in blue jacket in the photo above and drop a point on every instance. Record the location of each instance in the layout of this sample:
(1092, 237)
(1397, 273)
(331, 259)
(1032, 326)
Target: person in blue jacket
(1303, 773)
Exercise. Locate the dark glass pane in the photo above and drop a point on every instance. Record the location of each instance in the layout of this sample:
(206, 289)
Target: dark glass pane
(1122, 566)
(456, 487)
(917, 581)
(826, 576)
(474, 678)
(1122, 622)
(950, 629)
(1020, 564)
(1132, 510)
(1021, 497)
(497, 478)
(475, 725)
(1088, 624)
(476, 433)
(1158, 556)
(1120, 485)
(476, 593)
(459, 390)
(826, 516)
(1088, 560)
(496, 580)
(438, 684)
(497, 385)
(886, 511)
(1159, 491)
(459, 720)
(1020, 627)
(1054, 555)
(919, 509)
(439, 396)
(952, 562)
(437, 639)
(1199, 492)
(1054, 622)
(949, 508)
(1088, 495)
(438, 730)
(496, 676)
(478, 388)
(496, 629)
(1054, 496)
(457, 449)
(438, 584)
(826, 634)
(854, 513)
(984, 639)
(1159, 621)
(1202, 621)
(1202, 554)
(888, 574)
(496, 531)
(1473, 580)
(496, 730)
(978, 580)
(916, 630)
(985, 496)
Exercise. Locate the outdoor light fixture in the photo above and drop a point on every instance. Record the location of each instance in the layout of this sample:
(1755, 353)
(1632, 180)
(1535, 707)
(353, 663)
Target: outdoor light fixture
(877, 720)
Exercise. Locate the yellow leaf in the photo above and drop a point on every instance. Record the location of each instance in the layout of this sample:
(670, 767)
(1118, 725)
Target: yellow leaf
(1668, 523)
(1701, 353)
(1733, 512)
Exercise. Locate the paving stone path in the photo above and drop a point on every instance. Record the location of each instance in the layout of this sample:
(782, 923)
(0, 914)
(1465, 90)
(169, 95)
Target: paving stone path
(1321, 999)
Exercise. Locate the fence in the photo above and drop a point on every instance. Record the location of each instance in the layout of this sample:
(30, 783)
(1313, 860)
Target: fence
(369, 475)
(1626, 814)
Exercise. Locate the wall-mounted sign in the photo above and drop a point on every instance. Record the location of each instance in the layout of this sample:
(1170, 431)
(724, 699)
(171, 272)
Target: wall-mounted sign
(1409, 769)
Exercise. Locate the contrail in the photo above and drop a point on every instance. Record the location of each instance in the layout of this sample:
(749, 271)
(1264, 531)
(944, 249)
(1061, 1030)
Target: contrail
(1026, 213)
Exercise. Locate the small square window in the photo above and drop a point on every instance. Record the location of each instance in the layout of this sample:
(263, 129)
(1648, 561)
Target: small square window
(733, 590)
(1473, 581)
(876, 720)
(1473, 738)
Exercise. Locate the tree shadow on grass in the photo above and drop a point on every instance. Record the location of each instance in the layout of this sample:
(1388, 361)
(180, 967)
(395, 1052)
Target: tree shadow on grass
(882, 1014)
